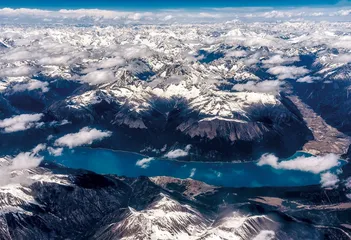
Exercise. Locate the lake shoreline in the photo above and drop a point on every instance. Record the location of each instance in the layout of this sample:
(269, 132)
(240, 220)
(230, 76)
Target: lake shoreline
(226, 174)
(183, 161)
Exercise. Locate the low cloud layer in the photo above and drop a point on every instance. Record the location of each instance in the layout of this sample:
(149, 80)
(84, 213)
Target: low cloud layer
(314, 164)
(172, 16)
(98, 55)
(176, 153)
(85, 136)
(20, 122)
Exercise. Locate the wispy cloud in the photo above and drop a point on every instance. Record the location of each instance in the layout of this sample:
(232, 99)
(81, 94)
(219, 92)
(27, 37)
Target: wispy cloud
(192, 172)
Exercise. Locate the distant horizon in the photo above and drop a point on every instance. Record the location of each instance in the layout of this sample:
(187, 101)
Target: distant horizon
(141, 5)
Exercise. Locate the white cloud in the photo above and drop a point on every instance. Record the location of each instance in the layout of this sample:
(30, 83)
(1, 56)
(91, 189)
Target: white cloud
(55, 60)
(176, 153)
(23, 160)
(111, 62)
(279, 60)
(168, 17)
(329, 180)
(284, 72)
(135, 51)
(145, 162)
(59, 123)
(341, 42)
(253, 59)
(265, 235)
(84, 137)
(39, 148)
(269, 86)
(17, 71)
(99, 77)
(21, 15)
(18, 11)
(55, 151)
(313, 164)
(21, 54)
(342, 58)
(236, 53)
(307, 79)
(192, 172)
(20, 122)
(31, 85)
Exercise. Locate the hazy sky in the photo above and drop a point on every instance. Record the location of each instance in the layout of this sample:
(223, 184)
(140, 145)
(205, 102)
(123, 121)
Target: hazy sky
(162, 4)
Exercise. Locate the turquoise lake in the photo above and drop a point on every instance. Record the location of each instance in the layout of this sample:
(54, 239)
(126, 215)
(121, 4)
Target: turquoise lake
(221, 174)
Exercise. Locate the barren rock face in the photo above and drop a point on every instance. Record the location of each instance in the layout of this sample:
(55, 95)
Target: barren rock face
(201, 118)
(66, 203)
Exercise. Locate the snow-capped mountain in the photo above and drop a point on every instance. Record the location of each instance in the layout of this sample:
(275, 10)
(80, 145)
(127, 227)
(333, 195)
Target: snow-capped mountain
(210, 86)
(56, 202)
(228, 90)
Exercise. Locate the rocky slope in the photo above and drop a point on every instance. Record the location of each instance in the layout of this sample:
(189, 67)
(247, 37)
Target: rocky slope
(59, 203)
(231, 91)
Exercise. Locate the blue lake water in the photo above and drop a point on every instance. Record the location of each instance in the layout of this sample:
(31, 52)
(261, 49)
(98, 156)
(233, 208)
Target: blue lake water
(222, 174)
